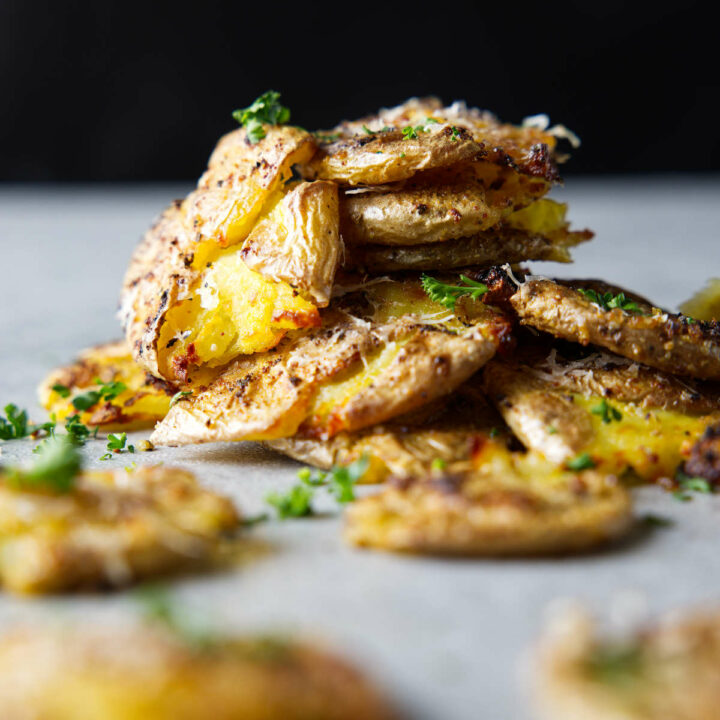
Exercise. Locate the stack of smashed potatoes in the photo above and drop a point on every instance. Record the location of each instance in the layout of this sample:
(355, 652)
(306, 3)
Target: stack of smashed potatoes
(360, 292)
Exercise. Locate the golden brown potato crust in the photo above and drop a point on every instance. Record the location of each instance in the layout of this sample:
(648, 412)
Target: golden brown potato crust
(300, 243)
(111, 529)
(509, 504)
(459, 134)
(442, 431)
(173, 253)
(665, 672)
(668, 342)
(128, 673)
(486, 248)
(358, 369)
(145, 401)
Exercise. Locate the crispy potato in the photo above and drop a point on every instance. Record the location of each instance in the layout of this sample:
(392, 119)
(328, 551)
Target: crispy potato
(380, 353)
(148, 672)
(443, 431)
(666, 672)
(144, 401)
(111, 529)
(442, 136)
(671, 343)
(298, 241)
(705, 304)
(621, 414)
(188, 299)
(704, 460)
(509, 504)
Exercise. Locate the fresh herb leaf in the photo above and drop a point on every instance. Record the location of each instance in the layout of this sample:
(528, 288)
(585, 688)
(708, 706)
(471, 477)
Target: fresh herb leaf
(583, 461)
(551, 430)
(367, 130)
(254, 520)
(438, 464)
(297, 502)
(607, 412)
(181, 395)
(409, 132)
(62, 390)
(86, 400)
(116, 442)
(657, 520)
(326, 137)
(56, 467)
(615, 664)
(77, 432)
(265, 110)
(608, 301)
(15, 423)
(447, 295)
(431, 121)
(455, 133)
(340, 480)
(687, 483)
(107, 391)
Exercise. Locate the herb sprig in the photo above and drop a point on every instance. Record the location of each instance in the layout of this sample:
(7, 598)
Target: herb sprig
(15, 425)
(265, 110)
(116, 444)
(607, 412)
(583, 461)
(687, 484)
(608, 301)
(448, 295)
(55, 468)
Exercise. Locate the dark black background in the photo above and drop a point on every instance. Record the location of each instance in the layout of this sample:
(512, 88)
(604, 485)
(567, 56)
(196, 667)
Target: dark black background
(141, 91)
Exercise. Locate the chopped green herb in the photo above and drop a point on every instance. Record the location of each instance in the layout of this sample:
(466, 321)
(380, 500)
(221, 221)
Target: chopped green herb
(431, 121)
(552, 430)
(494, 432)
(438, 464)
(62, 390)
(583, 461)
(326, 137)
(265, 110)
(615, 664)
(339, 480)
(608, 301)
(107, 391)
(455, 133)
(181, 395)
(254, 520)
(409, 133)
(607, 412)
(657, 520)
(77, 432)
(56, 467)
(447, 295)
(116, 444)
(367, 130)
(15, 424)
(297, 502)
(687, 483)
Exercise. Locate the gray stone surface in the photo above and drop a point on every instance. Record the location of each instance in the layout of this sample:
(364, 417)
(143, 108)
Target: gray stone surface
(446, 638)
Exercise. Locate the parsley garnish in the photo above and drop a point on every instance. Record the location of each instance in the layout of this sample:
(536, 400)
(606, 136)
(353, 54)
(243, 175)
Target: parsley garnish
(551, 430)
(438, 464)
(608, 301)
(77, 432)
(657, 520)
(607, 412)
(297, 502)
(106, 391)
(326, 137)
(614, 664)
(179, 396)
(56, 467)
(367, 130)
(431, 121)
(15, 424)
(265, 110)
(455, 133)
(116, 444)
(687, 483)
(410, 133)
(583, 461)
(447, 295)
(62, 390)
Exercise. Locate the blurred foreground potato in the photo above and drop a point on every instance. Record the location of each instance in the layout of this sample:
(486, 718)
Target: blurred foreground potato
(150, 673)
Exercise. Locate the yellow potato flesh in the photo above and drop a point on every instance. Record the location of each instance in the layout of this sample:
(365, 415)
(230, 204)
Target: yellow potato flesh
(652, 442)
(705, 304)
(232, 311)
(543, 217)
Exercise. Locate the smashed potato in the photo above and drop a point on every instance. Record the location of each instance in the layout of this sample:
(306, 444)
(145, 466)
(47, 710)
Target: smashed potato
(150, 673)
(381, 352)
(109, 529)
(668, 671)
(443, 432)
(618, 414)
(142, 402)
(189, 299)
(705, 304)
(508, 504)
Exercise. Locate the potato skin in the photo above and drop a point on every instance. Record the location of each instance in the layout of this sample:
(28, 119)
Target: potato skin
(173, 253)
(276, 394)
(459, 134)
(111, 529)
(507, 505)
(483, 250)
(88, 672)
(661, 340)
(300, 244)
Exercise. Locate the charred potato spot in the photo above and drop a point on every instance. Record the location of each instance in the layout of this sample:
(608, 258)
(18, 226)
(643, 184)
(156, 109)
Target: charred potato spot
(144, 401)
(124, 673)
(509, 504)
(644, 676)
(113, 528)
